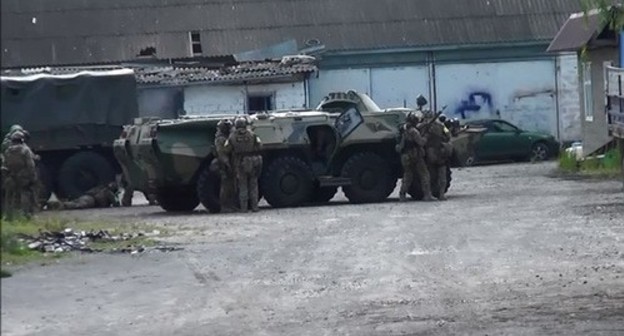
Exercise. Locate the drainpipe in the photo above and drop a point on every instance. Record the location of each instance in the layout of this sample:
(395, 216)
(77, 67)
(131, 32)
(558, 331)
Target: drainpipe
(432, 82)
(306, 88)
(621, 48)
(245, 107)
(557, 111)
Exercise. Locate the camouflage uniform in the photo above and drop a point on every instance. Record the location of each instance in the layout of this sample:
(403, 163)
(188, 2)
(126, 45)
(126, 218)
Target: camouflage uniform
(38, 185)
(245, 146)
(438, 153)
(412, 159)
(19, 177)
(227, 193)
(98, 197)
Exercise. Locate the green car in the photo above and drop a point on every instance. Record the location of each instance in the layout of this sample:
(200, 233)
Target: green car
(504, 141)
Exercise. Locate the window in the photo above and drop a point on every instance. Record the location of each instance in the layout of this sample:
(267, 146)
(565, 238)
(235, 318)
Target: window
(504, 127)
(588, 96)
(259, 102)
(196, 48)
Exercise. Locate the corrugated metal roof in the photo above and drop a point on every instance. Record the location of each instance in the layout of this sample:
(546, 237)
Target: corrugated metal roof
(67, 31)
(181, 75)
(577, 31)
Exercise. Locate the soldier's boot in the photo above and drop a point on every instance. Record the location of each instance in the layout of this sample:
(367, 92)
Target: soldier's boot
(126, 199)
(254, 200)
(151, 199)
(442, 197)
(244, 204)
(427, 196)
(442, 193)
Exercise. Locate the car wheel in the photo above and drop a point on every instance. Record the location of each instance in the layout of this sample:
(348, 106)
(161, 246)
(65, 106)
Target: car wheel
(470, 161)
(539, 152)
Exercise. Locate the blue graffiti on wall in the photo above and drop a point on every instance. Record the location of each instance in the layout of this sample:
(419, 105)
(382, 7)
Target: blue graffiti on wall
(472, 106)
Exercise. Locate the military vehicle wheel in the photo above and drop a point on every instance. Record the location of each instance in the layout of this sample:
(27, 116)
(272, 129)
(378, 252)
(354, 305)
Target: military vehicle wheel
(416, 191)
(286, 182)
(208, 189)
(371, 178)
(83, 171)
(323, 194)
(177, 199)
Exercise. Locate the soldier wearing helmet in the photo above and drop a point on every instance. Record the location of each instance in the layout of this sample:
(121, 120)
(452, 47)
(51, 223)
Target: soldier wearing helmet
(20, 177)
(244, 146)
(7, 138)
(412, 159)
(227, 192)
(438, 153)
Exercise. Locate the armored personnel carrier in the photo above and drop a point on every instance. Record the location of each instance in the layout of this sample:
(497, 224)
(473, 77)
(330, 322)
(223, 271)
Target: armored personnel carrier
(346, 142)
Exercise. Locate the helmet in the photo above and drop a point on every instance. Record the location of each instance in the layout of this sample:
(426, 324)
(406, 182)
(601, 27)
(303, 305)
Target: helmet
(16, 127)
(224, 125)
(240, 122)
(442, 118)
(412, 119)
(17, 136)
(112, 186)
(426, 114)
(421, 100)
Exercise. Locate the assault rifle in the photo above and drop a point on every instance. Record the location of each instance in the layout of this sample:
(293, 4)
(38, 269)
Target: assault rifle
(421, 127)
(425, 126)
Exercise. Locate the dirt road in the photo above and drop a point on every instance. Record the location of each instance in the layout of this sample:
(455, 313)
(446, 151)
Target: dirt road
(514, 252)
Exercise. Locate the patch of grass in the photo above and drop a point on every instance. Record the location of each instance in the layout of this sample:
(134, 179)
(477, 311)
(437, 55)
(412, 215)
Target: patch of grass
(568, 163)
(15, 252)
(608, 166)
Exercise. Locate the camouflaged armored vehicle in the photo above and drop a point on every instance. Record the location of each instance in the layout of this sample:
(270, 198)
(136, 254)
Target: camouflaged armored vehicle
(347, 142)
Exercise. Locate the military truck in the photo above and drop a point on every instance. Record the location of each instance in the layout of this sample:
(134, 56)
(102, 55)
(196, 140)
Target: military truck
(347, 142)
(72, 120)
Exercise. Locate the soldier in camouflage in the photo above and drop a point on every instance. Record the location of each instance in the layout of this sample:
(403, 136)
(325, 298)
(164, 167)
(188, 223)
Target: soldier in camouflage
(19, 177)
(103, 196)
(438, 152)
(7, 137)
(227, 193)
(244, 146)
(412, 159)
(38, 182)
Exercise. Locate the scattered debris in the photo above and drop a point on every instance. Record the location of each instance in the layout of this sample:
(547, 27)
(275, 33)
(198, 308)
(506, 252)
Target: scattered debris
(69, 240)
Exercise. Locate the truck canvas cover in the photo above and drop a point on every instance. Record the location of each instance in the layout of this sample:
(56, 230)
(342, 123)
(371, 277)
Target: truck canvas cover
(79, 105)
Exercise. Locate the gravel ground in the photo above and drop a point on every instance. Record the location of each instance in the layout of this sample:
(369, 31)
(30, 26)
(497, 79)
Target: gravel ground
(515, 251)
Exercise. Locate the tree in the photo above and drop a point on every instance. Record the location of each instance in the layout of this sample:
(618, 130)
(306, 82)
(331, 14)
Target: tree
(614, 19)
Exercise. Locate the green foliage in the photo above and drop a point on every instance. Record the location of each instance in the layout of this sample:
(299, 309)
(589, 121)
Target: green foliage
(610, 165)
(568, 163)
(614, 19)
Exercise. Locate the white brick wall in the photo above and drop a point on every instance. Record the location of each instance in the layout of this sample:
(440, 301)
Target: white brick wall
(569, 101)
(210, 99)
